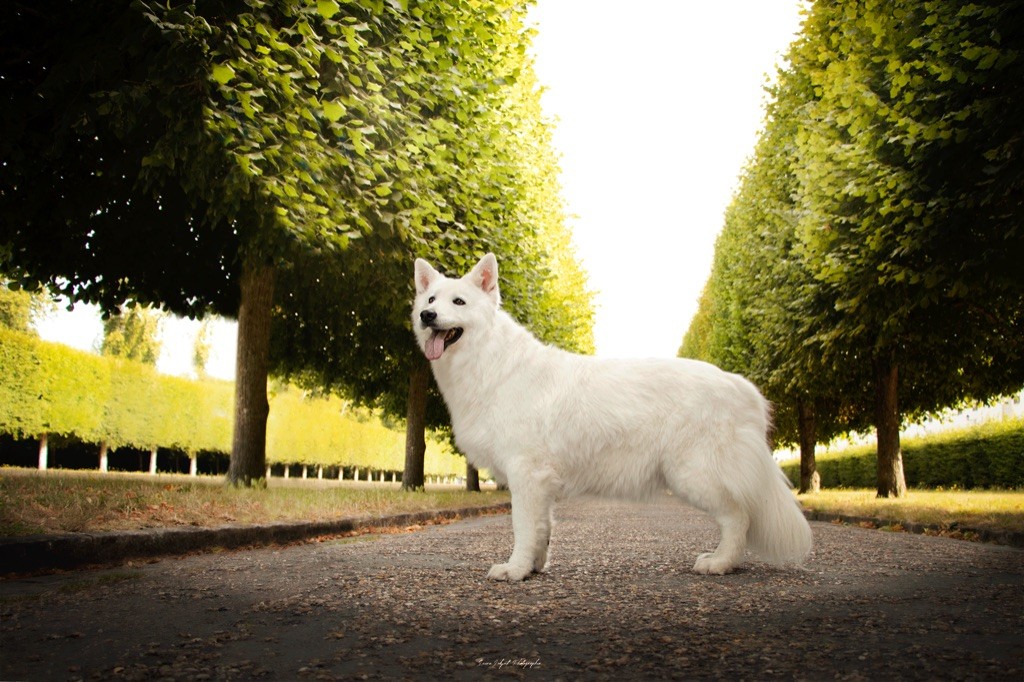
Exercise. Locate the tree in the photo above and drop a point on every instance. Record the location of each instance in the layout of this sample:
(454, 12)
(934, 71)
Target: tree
(133, 334)
(344, 321)
(201, 349)
(20, 308)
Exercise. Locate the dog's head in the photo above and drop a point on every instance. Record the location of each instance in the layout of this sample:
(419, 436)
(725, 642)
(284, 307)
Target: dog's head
(446, 310)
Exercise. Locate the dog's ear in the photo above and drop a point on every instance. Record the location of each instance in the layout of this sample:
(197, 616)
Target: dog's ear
(485, 275)
(425, 275)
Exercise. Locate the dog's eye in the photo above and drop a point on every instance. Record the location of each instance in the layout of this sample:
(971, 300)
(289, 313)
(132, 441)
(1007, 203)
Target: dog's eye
(458, 301)
(430, 300)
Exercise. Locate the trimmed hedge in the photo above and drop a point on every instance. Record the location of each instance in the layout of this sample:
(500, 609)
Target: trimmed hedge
(53, 389)
(50, 388)
(328, 431)
(989, 456)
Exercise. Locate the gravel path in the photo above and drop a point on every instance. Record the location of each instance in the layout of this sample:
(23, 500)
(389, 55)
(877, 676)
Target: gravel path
(617, 603)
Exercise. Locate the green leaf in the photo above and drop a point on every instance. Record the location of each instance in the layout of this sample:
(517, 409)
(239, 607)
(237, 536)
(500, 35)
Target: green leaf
(334, 110)
(327, 8)
(223, 73)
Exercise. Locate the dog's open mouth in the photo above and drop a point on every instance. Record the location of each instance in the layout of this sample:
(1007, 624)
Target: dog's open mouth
(439, 341)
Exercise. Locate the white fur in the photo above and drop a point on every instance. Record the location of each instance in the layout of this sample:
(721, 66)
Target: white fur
(554, 424)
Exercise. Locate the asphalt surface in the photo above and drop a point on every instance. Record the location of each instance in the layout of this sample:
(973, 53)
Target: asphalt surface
(618, 602)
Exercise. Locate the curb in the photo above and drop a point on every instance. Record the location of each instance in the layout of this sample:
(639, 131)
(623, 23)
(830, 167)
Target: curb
(955, 531)
(74, 550)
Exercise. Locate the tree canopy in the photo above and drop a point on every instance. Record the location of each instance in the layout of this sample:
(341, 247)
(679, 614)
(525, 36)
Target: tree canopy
(133, 334)
(20, 308)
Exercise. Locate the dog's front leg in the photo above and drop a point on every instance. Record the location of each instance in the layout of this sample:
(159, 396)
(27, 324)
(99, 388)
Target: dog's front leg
(531, 527)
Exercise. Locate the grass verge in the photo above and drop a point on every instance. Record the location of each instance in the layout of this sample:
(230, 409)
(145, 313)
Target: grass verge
(957, 509)
(34, 502)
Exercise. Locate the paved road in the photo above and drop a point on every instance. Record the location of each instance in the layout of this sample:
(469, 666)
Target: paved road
(618, 603)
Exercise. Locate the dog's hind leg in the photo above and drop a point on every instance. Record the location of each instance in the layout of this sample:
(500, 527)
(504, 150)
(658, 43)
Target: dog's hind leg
(704, 492)
(532, 498)
(733, 522)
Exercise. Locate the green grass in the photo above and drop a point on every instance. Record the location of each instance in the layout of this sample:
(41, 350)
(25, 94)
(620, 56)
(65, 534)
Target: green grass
(977, 509)
(33, 502)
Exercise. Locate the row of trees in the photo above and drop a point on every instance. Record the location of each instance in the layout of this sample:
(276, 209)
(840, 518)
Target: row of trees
(869, 268)
(50, 389)
(283, 163)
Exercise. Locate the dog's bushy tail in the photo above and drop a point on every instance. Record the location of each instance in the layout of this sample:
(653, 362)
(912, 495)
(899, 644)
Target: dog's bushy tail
(778, 531)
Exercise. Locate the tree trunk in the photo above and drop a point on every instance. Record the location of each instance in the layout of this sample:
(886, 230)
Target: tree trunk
(472, 478)
(44, 451)
(249, 442)
(152, 461)
(415, 424)
(104, 457)
(807, 426)
(891, 482)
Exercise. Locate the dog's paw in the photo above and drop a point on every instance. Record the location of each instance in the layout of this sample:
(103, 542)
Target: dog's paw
(508, 572)
(709, 564)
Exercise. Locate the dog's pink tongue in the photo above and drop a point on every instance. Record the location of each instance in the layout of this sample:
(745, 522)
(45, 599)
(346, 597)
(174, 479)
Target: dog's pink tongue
(435, 346)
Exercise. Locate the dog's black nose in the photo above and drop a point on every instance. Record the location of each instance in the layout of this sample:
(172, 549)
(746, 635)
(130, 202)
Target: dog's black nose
(427, 316)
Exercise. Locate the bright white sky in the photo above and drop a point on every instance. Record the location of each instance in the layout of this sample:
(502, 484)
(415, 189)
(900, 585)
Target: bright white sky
(658, 105)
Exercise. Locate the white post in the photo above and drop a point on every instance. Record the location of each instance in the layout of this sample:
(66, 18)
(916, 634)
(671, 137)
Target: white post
(44, 452)
(152, 462)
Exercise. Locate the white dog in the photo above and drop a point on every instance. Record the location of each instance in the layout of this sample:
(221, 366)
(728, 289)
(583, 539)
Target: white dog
(554, 424)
